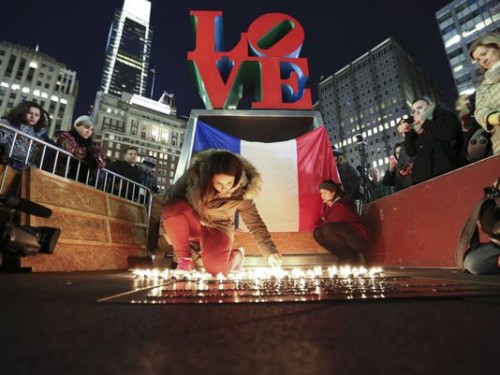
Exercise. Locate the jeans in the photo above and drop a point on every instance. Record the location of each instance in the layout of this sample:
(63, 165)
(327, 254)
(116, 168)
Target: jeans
(483, 259)
(341, 239)
(182, 226)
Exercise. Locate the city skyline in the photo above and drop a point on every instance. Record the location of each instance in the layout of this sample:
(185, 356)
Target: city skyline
(75, 34)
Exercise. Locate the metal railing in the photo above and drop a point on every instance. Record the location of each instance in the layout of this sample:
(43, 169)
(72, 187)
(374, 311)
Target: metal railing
(50, 158)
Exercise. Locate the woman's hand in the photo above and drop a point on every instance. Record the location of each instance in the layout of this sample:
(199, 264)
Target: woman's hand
(275, 260)
(419, 119)
(404, 127)
(393, 163)
(494, 119)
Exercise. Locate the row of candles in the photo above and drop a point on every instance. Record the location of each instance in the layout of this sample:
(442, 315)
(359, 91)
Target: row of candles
(261, 274)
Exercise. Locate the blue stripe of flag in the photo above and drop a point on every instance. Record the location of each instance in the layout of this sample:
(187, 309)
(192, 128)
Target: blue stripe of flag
(208, 137)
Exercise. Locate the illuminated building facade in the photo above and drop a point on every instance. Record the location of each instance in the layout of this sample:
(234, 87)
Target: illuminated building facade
(151, 126)
(460, 23)
(26, 74)
(370, 96)
(128, 50)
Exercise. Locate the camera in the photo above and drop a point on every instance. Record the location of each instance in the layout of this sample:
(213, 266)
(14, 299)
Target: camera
(489, 216)
(410, 120)
(23, 240)
(492, 192)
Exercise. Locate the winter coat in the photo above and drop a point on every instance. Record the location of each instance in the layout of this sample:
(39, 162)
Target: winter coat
(149, 180)
(82, 149)
(220, 211)
(488, 102)
(341, 211)
(349, 178)
(19, 158)
(127, 170)
(437, 150)
(400, 178)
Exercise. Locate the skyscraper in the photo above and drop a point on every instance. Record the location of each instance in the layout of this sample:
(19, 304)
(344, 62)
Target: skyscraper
(27, 74)
(368, 97)
(461, 22)
(128, 50)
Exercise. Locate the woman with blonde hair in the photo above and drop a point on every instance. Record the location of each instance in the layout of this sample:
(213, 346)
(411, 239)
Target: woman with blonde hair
(486, 52)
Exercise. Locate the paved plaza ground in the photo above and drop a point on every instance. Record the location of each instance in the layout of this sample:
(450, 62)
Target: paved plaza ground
(52, 323)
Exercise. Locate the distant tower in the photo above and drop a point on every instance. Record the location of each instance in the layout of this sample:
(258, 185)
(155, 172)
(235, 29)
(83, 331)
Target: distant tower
(461, 22)
(27, 74)
(370, 96)
(128, 50)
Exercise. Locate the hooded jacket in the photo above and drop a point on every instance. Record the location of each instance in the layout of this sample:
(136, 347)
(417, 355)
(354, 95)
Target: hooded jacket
(220, 212)
(437, 150)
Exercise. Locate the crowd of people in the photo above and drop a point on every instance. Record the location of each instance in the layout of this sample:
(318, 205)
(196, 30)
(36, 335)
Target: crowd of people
(200, 207)
(21, 152)
(435, 139)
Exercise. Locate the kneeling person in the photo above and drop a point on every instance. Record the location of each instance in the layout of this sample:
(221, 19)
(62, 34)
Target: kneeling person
(201, 206)
(340, 229)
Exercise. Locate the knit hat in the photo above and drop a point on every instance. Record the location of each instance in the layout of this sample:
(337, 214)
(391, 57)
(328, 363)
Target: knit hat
(329, 185)
(150, 161)
(82, 120)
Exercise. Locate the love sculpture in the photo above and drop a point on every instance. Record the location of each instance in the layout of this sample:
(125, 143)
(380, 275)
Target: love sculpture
(264, 65)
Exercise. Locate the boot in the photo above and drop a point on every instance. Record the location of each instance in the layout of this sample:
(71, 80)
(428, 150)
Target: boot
(236, 259)
(185, 264)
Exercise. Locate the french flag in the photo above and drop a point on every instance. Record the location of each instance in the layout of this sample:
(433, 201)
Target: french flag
(291, 171)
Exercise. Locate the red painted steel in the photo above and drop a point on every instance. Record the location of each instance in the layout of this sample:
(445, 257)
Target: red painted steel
(420, 226)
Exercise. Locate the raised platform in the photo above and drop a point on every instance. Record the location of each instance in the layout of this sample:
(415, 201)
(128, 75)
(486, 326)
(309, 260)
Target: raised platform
(420, 226)
(417, 227)
(99, 231)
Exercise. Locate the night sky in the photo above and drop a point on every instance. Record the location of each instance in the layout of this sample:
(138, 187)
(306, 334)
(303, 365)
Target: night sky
(75, 32)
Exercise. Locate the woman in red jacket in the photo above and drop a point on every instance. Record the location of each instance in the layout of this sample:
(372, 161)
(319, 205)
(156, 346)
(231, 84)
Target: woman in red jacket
(340, 229)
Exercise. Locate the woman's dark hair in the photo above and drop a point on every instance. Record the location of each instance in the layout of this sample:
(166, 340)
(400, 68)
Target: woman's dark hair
(128, 148)
(399, 144)
(332, 186)
(425, 98)
(17, 115)
(220, 162)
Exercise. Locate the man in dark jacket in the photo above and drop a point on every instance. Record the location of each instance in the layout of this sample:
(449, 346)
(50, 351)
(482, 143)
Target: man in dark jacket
(127, 168)
(433, 137)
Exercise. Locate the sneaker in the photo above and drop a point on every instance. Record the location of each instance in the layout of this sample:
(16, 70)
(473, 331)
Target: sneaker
(185, 264)
(236, 259)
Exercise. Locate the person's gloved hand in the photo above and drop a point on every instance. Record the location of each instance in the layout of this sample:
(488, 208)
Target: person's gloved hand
(275, 260)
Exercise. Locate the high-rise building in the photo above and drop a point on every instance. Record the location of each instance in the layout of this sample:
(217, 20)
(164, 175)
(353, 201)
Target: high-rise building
(128, 50)
(151, 126)
(368, 98)
(461, 22)
(26, 74)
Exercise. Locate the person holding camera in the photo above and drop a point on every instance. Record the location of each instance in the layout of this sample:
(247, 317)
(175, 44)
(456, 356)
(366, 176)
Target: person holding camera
(486, 52)
(472, 255)
(398, 173)
(433, 137)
